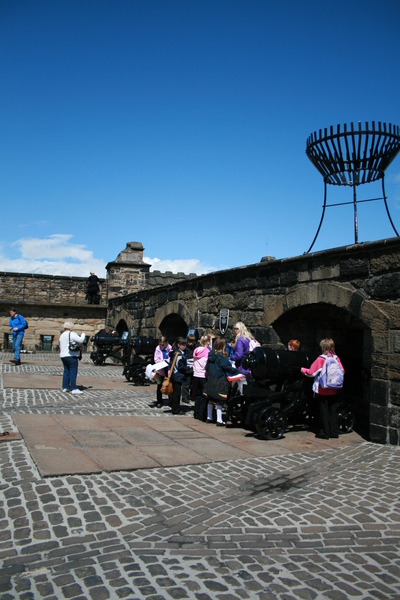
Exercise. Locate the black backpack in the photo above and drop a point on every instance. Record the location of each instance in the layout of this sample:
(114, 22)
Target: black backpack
(26, 326)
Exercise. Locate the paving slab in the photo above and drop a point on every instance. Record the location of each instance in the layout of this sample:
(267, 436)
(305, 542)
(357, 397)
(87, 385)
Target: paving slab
(53, 381)
(62, 444)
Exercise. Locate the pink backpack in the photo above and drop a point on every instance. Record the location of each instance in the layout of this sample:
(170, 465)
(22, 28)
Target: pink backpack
(253, 344)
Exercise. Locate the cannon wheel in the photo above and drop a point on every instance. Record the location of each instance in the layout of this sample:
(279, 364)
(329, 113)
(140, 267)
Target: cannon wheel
(140, 379)
(97, 358)
(236, 405)
(271, 423)
(129, 374)
(346, 418)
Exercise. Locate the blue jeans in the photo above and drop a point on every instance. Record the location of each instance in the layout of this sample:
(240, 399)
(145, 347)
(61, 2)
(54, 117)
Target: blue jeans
(70, 372)
(17, 342)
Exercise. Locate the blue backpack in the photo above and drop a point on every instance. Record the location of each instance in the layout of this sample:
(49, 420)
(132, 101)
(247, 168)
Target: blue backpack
(332, 375)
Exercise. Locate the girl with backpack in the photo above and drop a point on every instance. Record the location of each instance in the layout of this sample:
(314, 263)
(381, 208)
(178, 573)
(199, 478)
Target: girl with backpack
(327, 397)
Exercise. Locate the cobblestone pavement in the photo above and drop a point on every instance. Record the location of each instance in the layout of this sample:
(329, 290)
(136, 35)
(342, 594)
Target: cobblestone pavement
(297, 526)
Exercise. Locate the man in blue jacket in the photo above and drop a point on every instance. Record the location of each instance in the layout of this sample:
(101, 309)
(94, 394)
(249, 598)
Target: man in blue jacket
(17, 326)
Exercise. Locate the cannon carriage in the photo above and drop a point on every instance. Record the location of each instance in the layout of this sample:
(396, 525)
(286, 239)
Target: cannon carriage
(278, 395)
(135, 354)
(142, 355)
(108, 345)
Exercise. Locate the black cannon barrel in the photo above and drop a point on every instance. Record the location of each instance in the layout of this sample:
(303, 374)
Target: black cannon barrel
(102, 339)
(145, 345)
(268, 363)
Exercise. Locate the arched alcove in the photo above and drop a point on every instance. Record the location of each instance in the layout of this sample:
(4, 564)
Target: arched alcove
(121, 327)
(172, 327)
(311, 323)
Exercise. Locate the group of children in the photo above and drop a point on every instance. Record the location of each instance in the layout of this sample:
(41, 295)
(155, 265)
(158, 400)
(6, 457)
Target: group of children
(193, 365)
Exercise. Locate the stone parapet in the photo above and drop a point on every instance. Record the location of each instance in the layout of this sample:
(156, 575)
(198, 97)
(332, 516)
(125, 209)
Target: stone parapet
(46, 289)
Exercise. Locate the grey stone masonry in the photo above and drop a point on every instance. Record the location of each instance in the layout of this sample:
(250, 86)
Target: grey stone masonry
(350, 294)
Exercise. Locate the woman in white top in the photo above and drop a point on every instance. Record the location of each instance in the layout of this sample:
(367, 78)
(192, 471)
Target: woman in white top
(70, 357)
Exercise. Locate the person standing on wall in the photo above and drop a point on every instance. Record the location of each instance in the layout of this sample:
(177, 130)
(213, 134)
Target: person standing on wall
(17, 326)
(93, 289)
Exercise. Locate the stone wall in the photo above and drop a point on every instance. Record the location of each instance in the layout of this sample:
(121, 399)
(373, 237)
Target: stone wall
(46, 289)
(48, 320)
(350, 294)
(47, 301)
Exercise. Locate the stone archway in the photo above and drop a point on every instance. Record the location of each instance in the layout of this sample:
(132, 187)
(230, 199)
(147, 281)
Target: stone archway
(311, 323)
(174, 320)
(358, 326)
(172, 327)
(121, 327)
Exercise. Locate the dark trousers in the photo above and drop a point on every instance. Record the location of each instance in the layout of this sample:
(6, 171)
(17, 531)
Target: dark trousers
(158, 393)
(328, 417)
(175, 397)
(200, 401)
(187, 388)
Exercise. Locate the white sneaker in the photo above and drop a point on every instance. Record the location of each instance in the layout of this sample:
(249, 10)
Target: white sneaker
(65, 390)
(76, 391)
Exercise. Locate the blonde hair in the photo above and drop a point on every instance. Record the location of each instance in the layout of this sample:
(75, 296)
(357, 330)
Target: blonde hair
(327, 345)
(69, 325)
(204, 339)
(242, 331)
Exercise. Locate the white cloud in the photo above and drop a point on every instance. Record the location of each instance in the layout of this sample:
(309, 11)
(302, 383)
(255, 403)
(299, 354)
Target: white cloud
(54, 255)
(55, 247)
(187, 266)
(57, 255)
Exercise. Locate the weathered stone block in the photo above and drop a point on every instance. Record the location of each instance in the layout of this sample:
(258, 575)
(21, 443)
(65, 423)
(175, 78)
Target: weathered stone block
(378, 434)
(394, 436)
(304, 276)
(394, 337)
(380, 343)
(394, 417)
(394, 367)
(273, 308)
(288, 278)
(325, 272)
(384, 263)
(384, 287)
(379, 394)
(395, 393)
(354, 268)
(378, 415)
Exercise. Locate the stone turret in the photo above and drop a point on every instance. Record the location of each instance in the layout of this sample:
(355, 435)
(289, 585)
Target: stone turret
(128, 273)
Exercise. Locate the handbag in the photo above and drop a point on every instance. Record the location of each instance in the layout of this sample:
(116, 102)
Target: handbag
(73, 346)
(166, 386)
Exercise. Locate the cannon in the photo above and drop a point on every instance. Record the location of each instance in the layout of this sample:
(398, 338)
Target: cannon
(142, 355)
(108, 345)
(278, 394)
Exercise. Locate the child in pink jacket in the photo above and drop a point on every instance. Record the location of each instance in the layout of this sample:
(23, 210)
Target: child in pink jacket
(327, 398)
(200, 357)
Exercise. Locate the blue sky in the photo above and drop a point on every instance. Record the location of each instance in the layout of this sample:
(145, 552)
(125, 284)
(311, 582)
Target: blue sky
(182, 124)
